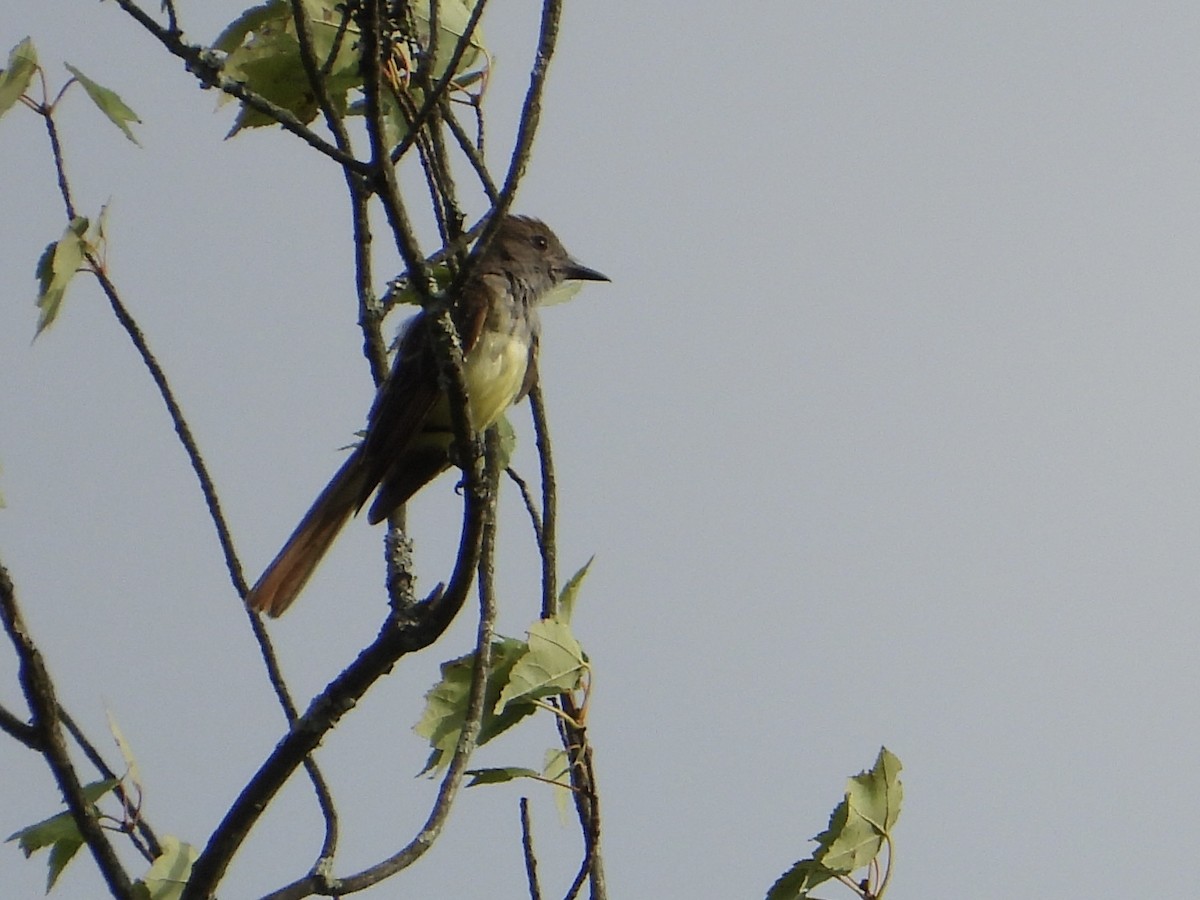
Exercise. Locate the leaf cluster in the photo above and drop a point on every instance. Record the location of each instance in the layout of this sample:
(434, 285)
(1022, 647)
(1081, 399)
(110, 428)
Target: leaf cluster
(263, 51)
(859, 827)
(523, 674)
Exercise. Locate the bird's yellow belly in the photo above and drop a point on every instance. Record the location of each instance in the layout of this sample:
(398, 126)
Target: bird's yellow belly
(494, 371)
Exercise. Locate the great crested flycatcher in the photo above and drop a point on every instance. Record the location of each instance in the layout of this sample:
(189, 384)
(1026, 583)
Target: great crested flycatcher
(409, 432)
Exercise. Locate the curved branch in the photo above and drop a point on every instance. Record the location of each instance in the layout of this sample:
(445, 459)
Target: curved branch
(395, 640)
(435, 822)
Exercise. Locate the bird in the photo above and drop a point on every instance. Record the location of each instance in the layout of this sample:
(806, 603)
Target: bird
(409, 434)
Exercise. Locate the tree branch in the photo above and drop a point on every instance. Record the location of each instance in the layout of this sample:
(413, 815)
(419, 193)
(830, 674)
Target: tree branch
(531, 875)
(435, 822)
(205, 64)
(473, 155)
(15, 727)
(395, 639)
(531, 111)
(548, 543)
(39, 694)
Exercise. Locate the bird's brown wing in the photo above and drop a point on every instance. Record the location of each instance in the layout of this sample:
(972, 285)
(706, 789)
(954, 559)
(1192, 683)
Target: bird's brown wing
(395, 461)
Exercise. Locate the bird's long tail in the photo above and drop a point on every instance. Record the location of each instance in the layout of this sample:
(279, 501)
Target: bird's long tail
(287, 574)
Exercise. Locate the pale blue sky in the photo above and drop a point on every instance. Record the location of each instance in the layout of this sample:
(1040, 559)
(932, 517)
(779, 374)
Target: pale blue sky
(886, 432)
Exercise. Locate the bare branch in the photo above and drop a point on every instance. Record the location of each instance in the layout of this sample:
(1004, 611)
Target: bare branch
(535, 891)
(587, 800)
(13, 726)
(472, 153)
(60, 170)
(535, 518)
(549, 521)
(395, 640)
(532, 110)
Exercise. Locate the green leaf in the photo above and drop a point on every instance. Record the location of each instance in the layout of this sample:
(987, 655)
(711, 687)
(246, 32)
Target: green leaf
(866, 814)
(556, 768)
(270, 66)
(239, 30)
(797, 881)
(99, 234)
(498, 776)
(170, 871)
(553, 664)
(878, 794)
(14, 80)
(453, 16)
(108, 102)
(446, 703)
(264, 54)
(131, 766)
(60, 833)
(329, 35)
(57, 266)
(507, 442)
(566, 597)
(60, 854)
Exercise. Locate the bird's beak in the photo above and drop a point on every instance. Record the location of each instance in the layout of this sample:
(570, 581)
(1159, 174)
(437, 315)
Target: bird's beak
(573, 271)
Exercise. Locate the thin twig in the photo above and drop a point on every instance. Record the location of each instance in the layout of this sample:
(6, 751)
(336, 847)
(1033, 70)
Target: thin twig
(60, 170)
(208, 488)
(192, 449)
(316, 78)
(531, 875)
(380, 171)
(473, 155)
(530, 115)
(149, 838)
(172, 16)
(535, 518)
(549, 542)
(531, 111)
(585, 795)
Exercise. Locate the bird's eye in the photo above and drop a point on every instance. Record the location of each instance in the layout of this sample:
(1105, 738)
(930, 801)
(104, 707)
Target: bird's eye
(539, 241)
